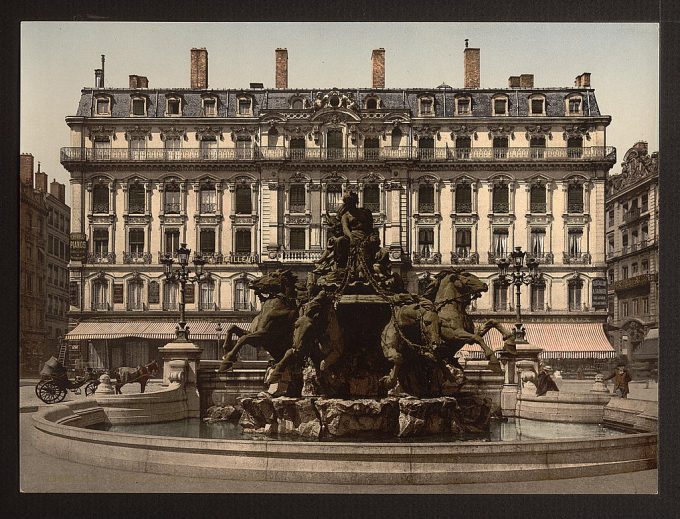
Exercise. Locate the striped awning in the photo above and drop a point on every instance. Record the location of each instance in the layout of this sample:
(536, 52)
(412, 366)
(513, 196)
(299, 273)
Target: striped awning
(558, 340)
(199, 330)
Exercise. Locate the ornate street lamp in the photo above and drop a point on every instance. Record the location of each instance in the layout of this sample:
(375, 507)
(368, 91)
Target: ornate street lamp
(518, 278)
(182, 276)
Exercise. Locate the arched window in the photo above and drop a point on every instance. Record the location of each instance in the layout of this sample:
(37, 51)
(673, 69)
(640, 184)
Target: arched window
(241, 295)
(463, 198)
(426, 198)
(135, 291)
(396, 137)
(297, 202)
(100, 294)
(537, 198)
(575, 198)
(206, 296)
(501, 198)
(100, 199)
(333, 197)
(244, 200)
(170, 296)
(372, 197)
(172, 199)
(575, 288)
(208, 195)
(136, 199)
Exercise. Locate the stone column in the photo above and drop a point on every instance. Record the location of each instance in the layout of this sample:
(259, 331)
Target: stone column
(183, 357)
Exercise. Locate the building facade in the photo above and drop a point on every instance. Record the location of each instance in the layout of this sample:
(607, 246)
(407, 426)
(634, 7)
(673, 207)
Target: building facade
(246, 177)
(632, 205)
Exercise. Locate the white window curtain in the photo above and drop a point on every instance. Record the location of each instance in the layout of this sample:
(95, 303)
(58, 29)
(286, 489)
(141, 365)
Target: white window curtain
(575, 239)
(500, 243)
(538, 242)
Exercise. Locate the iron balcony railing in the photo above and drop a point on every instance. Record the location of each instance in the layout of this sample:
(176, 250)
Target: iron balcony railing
(353, 154)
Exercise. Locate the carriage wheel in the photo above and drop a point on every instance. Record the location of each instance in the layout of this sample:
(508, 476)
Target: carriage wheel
(91, 387)
(50, 393)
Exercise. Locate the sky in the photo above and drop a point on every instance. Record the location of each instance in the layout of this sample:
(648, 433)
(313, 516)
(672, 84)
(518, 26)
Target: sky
(58, 60)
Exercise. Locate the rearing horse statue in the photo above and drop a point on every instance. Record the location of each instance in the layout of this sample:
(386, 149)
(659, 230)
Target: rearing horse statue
(272, 328)
(451, 291)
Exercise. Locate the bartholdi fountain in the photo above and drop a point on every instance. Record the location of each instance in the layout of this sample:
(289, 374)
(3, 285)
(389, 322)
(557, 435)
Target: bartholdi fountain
(355, 353)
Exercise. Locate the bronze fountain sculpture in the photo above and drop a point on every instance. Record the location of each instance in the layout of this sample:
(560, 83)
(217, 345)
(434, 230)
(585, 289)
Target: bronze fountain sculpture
(355, 352)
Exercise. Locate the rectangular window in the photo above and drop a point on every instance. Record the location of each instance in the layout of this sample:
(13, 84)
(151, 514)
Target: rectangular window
(500, 242)
(463, 242)
(297, 239)
(136, 238)
(538, 242)
(209, 107)
(207, 245)
(101, 242)
(171, 241)
(173, 106)
(575, 243)
(138, 107)
(242, 244)
(500, 106)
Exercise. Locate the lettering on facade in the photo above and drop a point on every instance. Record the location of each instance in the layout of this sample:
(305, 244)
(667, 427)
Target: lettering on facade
(599, 293)
(74, 291)
(154, 292)
(117, 293)
(78, 246)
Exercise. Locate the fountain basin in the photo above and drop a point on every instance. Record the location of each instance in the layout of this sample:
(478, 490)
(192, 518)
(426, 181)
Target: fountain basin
(60, 431)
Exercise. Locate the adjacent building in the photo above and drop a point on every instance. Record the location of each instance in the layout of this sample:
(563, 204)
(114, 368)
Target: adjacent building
(632, 205)
(246, 176)
(43, 252)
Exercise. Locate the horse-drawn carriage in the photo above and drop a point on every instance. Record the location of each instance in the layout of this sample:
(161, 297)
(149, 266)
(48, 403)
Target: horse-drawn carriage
(54, 382)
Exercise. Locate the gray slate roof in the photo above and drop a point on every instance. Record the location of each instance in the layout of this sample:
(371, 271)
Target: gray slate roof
(391, 99)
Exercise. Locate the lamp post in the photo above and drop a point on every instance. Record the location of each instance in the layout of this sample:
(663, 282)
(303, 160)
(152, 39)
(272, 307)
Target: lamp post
(518, 278)
(182, 275)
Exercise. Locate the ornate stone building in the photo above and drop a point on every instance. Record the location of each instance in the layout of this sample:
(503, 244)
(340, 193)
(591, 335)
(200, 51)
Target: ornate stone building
(454, 176)
(632, 204)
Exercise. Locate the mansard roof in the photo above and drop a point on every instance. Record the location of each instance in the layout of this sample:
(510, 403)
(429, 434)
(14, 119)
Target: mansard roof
(392, 99)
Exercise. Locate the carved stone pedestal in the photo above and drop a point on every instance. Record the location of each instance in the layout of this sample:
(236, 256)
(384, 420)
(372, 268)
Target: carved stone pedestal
(180, 364)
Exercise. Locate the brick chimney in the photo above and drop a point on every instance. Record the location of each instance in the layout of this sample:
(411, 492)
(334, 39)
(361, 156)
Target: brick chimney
(583, 80)
(199, 68)
(138, 81)
(526, 81)
(41, 180)
(58, 191)
(471, 67)
(26, 168)
(281, 79)
(513, 82)
(378, 67)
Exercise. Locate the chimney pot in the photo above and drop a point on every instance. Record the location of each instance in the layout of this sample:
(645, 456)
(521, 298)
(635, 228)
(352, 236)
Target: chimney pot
(526, 81)
(378, 67)
(26, 168)
(199, 68)
(471, 67)
(281, 79)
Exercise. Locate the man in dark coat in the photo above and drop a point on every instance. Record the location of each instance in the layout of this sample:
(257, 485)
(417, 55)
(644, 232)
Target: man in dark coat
(545, 383)
(621, 378)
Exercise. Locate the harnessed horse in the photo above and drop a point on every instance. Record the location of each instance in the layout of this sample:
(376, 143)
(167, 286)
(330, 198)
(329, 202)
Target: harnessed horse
(141, 374)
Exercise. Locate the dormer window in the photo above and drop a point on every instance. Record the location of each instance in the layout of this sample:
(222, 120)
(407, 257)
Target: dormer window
(537, 105)
(426, 107)
(174, 106)
(139, 106)
(463, 106)
(500, 106)
(244, 106)
(575, 105)
(103, 106)
(210, 107)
